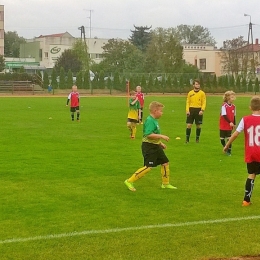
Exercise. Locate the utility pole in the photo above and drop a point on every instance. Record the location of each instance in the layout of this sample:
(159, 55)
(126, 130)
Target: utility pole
(250, 48)
(90, 13)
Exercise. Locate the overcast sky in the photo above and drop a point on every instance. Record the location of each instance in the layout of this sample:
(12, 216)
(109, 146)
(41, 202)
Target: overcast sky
(115, 18)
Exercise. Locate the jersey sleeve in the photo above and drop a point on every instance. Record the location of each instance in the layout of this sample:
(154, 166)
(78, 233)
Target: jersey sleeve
(203, 101)
(240, 126)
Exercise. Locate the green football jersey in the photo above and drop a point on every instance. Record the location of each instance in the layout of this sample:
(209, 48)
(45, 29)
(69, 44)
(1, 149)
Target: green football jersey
(151, 126)
(133, 109)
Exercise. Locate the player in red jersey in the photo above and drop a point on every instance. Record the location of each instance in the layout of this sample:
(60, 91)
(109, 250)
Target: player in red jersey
(250, 125)
(227, 119)
(73, 98)
(140, 97)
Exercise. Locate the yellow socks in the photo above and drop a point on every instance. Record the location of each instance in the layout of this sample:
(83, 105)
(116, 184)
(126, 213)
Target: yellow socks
(165, 172)
(133, 130)
(139, 174)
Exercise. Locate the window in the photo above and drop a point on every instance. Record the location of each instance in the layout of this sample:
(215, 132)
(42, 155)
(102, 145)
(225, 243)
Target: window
(98, 56)
(196, 62)
(202, 64)
(1, 16)
(2, 34)
(46, 55)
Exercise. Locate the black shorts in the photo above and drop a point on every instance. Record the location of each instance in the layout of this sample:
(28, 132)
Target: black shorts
(225, 133)
(253, 167)
(153, 155)
(194, 116)
(132, 120)
(74, 109)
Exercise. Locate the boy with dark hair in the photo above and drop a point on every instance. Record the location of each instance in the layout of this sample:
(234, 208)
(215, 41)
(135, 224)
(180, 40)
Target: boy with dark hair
(195, 106)
(153, 149)
(250, 125)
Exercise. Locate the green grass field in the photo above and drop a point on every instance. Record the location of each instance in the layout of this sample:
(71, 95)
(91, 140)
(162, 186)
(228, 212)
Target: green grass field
(62, 186)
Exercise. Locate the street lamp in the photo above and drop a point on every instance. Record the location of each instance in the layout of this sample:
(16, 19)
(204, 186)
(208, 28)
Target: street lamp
(249, 16)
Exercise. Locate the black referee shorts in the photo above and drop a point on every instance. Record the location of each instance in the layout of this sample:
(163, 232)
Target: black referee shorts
(194, 116)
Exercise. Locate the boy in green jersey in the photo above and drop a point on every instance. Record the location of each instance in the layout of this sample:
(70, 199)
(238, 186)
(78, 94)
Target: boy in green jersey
(153, 149)
(133, 117)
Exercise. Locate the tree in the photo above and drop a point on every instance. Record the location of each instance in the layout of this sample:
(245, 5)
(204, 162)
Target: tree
(62, 78)
(122, 56)
(46, 81)
(54, 82)
(2, 63)
(86, 80)
(101, 83)
(164, 53)
(256, 88)
(12, 44)
(116, 82)
(69, 81)
(193, 34)
(141, 37)
(69, 60)
(233, 56)
(81, 50)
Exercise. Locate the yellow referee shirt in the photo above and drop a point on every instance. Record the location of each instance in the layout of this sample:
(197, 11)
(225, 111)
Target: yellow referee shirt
(196, 99)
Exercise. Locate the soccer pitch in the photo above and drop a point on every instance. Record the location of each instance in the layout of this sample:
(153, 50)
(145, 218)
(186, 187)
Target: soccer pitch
(62, 186)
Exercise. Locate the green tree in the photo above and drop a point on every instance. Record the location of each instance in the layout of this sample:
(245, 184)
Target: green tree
(116, 81)
(101, 83)
(250, 86)
(244, 85)
(62, 78)
(141, 37)
(164, 53)
(81, 50)
(143, 83)
(86, 80)
(69, 81)
(79, 79)
(54, 82)
(122, 56)
(256, 87)
(12, 43)
(238, 83)
(46, 80)
(193, 34)
(233, 56)
(69, 60)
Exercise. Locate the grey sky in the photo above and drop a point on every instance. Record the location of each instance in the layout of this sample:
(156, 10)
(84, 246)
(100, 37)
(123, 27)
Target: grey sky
(115, 18)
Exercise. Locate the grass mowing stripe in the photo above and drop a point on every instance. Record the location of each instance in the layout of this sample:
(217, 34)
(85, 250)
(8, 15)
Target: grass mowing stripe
(114, 230)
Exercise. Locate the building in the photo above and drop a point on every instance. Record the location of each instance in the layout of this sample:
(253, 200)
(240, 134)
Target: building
(2, 31)
(205, 57)
(46, 49)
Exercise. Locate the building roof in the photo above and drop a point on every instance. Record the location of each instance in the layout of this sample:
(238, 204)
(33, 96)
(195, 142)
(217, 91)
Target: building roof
(55, 35)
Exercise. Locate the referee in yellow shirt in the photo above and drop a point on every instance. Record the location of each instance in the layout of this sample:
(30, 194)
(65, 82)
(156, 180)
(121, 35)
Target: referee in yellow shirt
(195, 107)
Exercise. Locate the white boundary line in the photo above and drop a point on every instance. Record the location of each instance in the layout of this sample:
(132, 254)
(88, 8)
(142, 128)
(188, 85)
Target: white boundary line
(114, 230)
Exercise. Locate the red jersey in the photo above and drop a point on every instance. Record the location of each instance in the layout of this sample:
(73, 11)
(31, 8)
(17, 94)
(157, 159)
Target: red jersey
(140, 97)
(74, 99)
(251, 127)
(228, 111)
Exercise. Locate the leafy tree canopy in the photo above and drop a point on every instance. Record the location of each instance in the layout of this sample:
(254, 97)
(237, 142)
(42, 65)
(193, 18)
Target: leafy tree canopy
(193, 34)
(69, 60)
(12, 44)
(141, 37)
(122, 56)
